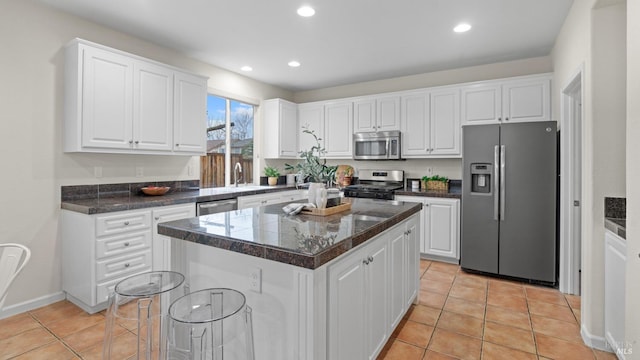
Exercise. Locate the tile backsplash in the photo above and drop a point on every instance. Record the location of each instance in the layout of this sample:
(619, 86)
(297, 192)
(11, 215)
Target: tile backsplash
(615, 207)
(102, 191)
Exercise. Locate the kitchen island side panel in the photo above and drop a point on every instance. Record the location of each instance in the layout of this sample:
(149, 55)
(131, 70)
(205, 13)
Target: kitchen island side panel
(289, 314)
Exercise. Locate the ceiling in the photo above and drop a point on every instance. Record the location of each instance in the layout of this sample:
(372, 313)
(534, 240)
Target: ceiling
(347, 41)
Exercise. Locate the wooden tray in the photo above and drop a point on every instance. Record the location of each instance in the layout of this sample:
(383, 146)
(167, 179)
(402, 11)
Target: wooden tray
(327, 211)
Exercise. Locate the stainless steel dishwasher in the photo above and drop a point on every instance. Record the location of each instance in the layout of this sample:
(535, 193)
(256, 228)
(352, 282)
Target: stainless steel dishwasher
(216, 206)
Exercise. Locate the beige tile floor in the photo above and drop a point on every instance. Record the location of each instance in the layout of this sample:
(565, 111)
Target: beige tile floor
(468, 316)
(460, 316)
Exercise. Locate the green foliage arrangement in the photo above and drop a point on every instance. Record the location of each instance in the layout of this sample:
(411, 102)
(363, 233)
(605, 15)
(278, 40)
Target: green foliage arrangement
(313, 166)
(435, 178)
(271, 171)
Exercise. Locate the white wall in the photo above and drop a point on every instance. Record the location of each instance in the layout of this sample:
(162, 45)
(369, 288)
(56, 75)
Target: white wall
(594, 37)
(447, 77)
(632, 314)
(33, 164)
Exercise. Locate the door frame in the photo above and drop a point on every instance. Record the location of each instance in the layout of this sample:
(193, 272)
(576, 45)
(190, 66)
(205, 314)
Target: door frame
(571, 148)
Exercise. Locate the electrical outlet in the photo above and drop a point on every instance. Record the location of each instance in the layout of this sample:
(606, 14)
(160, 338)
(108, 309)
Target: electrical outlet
(139, 171)
(255, 279)
(429, 171)
(190, 170)
(97, 171)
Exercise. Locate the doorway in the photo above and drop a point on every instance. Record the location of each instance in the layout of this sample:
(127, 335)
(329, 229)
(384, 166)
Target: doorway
(571, 185)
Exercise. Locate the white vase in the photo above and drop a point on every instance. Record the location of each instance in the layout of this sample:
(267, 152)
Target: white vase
(321, 198)
(313, 192)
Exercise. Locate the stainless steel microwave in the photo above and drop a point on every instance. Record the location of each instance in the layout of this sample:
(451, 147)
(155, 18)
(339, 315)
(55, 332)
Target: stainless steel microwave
(381, 145)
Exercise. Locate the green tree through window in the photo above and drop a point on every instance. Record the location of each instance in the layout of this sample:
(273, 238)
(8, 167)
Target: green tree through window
(229, 141)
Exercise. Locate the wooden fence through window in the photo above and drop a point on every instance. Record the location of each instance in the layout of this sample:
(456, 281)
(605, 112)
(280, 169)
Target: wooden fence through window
(212, 169)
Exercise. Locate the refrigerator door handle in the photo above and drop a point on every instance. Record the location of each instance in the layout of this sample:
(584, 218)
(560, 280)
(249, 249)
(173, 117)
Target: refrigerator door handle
(503, 181)
(496, 184)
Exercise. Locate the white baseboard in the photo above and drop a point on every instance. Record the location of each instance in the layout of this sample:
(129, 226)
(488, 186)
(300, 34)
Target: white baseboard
(596, 342)
(31, 304)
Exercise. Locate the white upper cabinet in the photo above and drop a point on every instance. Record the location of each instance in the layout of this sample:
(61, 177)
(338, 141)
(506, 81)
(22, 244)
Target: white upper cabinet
(279, 129)
(526, 100)
(117, 102)
(519, 100)
(152, 107)
(104, 100)
(445, 123)
(415, 125)
(377, 114)
(338, 138)
(189, 122)
(364, 115)
(310, 117)
(431, 124)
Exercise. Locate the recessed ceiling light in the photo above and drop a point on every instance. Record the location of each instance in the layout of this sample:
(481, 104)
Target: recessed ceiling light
(294, 63)
(306, 11)
(246, 68)
(460, 28)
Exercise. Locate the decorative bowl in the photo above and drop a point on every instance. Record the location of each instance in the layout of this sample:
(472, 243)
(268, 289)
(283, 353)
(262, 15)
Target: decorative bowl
(155, 190)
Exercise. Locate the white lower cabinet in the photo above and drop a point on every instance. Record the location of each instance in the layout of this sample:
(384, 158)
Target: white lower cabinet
(615, 260)
(161, 243)
(100, 250)
(440, 218)
(250, 201)
(368, 292)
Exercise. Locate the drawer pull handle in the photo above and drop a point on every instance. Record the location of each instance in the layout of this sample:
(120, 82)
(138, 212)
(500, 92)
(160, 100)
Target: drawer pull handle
(126, 265)
(126, 244)
(126, 223)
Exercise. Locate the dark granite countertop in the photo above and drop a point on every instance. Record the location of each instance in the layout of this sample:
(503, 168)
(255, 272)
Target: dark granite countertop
(454, 192)
(302, 240)
(617, 226)
(130, 200)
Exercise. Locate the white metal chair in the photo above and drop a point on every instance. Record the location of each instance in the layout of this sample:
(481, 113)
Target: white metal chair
(13, 257)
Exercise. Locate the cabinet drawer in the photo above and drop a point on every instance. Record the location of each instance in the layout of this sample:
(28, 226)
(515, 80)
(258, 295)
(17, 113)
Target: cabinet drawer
(123, 244)
(117, 224)
(103, 290)
(123, 265)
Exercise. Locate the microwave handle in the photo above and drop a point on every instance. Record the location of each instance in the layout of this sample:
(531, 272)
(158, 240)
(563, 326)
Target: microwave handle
(388, 143)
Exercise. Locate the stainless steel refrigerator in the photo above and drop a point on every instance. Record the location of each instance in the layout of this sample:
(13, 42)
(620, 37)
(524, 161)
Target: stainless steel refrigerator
(509, 200)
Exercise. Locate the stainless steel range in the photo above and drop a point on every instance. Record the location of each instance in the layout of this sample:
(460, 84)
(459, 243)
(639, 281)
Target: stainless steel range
(376, 184)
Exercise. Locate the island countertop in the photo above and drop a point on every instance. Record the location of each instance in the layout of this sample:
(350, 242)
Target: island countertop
(302, 240)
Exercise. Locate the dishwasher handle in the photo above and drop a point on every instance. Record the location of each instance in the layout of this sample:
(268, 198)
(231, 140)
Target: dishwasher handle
(211, 207)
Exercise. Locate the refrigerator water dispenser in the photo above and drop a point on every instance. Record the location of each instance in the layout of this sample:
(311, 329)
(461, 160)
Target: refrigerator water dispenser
(481, 178)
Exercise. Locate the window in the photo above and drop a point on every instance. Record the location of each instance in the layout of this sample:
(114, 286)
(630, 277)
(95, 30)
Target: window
(229, 142)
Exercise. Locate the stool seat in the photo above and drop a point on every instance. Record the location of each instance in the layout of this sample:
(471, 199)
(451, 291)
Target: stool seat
(149, 283)
(144, 299)
(210, 324)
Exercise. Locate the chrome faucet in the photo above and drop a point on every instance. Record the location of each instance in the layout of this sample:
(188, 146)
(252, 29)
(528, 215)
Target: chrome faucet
(237, 169)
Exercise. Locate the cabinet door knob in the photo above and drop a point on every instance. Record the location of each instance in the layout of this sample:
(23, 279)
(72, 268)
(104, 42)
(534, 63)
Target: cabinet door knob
(499, 119)
(130, 142)
(370, 259)
(365, 261)
(126, 223)
(157, 217)
(136, 142)
(126, 265)
(177, 144)
(126, 244)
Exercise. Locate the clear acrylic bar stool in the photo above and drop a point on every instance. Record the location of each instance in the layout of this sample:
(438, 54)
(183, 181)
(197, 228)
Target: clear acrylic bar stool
(143, 298)
(210, 324)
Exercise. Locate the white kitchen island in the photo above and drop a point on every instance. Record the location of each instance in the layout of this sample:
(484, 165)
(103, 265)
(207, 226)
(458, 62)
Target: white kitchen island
(331, 287)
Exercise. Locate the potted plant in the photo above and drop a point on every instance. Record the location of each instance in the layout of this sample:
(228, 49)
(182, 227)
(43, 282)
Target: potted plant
(435, 182)
(272, 174)
(313, 166)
